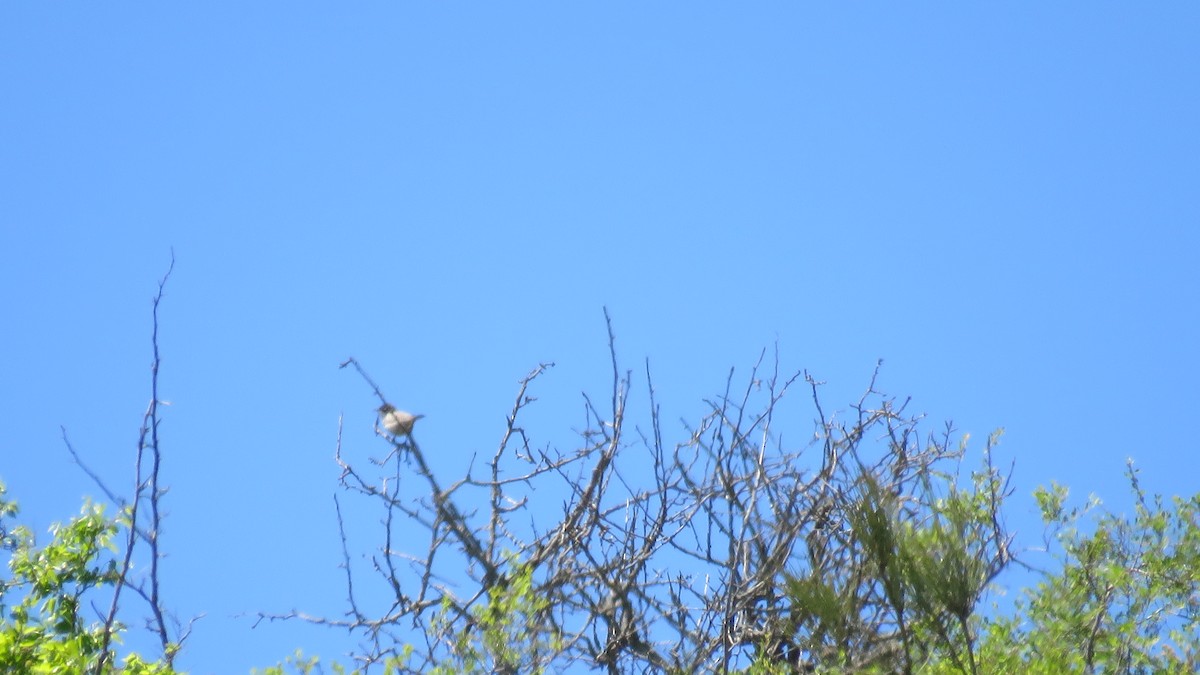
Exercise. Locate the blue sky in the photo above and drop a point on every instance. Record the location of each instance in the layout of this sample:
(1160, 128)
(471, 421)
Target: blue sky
(1000, 201)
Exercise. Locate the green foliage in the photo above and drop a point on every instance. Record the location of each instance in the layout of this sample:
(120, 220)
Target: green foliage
(299, 664)
(921, 561)
(948, 562)
(1126, 599)
(1124, 596)
(508, 634)
(41, 628)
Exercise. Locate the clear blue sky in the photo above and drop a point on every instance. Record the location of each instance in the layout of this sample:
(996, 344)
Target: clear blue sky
(999, 200)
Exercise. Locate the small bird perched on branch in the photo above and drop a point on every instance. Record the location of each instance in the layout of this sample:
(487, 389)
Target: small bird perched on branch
(397, 422)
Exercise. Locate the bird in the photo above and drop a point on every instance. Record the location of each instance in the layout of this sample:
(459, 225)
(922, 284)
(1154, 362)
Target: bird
(397, 422)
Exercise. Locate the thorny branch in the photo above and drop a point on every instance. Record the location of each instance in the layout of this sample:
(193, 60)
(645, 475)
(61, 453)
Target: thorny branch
(661, 558)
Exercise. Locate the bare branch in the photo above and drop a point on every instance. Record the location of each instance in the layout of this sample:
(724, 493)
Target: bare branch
(657, 557)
